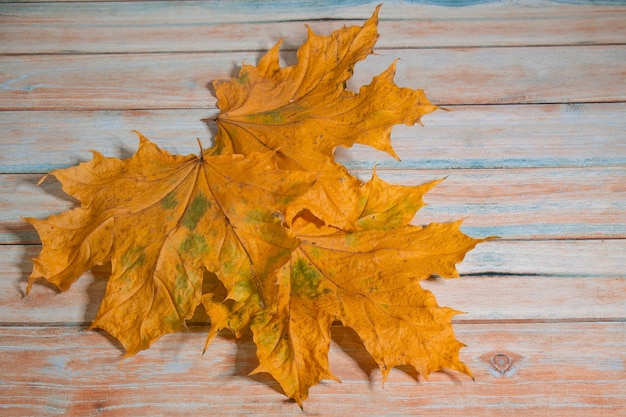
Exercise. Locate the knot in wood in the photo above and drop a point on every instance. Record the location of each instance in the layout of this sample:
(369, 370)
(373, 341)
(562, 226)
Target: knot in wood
(501, 362)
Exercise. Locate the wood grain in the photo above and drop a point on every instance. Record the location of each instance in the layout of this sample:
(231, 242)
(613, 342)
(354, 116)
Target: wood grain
(533, 150)
(83, 375)
(450, 76)
(507, 136)
(507, 203)
(90, 27)
(502, 280)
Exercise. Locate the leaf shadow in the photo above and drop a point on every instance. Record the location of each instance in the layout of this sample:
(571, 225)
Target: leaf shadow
(410, 371)
(288, 53)
(25, 235)
(51, 186)
(96, 290)
(123, 151)
(348, 340)
(234, 73)
(246, 361)
(211, 122)
(113, 341)
(245, 351)
(25, 266)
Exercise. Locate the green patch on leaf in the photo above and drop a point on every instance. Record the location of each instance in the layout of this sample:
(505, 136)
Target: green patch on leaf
(243, 78)
(195, 245)
(352, 239)
(169, 202)
(195, 211)
(183, 290)
(133, 256)
(316, 252)
(305, 280)
(272, 117)
(259, 215)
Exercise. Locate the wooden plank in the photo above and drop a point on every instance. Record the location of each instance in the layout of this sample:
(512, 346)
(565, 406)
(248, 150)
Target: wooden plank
(449, 76)
(66, 371)
(529, 298)
(546, 311)
(548, 280)
(525, 203)
(513, 204)
(508, 136)
(59, 139)
(559, 258)
(211, 26)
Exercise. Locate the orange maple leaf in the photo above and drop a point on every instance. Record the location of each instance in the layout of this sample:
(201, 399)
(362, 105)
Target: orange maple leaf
(368, 280)
(266, 230)
(305, 111)
(162, 220)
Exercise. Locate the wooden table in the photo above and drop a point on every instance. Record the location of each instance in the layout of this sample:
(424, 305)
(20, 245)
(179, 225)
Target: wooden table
(534, 150)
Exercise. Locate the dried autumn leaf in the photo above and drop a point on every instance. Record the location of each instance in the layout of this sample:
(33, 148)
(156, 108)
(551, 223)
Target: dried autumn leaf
(266, 230)
(162, 220)
(369, 280)
(305, 111)
(376, 274)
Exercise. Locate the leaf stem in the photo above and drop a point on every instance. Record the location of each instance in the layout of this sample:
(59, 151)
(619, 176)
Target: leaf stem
(201, 150)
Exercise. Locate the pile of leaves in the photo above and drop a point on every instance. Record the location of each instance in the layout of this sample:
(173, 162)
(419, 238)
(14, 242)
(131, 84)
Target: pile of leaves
(265, 230)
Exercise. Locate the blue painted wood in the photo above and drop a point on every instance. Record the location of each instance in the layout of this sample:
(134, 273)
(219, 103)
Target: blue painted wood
(525, 267)
(539, 203)
(100, 27)
(84, 376)
(528, 75)
(545, 329)
(571, 135)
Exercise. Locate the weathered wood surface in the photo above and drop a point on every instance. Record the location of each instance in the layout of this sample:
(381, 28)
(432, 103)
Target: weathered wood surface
(508, 203)
(506, 136)
(517, 368)
(571, 288)
(533, 151)
(181, 80)
(107, 27)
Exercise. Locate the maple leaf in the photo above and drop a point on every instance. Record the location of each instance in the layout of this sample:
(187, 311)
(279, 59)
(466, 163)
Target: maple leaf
(162, 220)
(265, 230)
(305, 111)
(369, 280)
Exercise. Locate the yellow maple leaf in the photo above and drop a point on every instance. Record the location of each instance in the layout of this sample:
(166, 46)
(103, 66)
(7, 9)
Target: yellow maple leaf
(305, 111)
(266, 230)
(359, 260)
(368, 280)
(162, 220)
